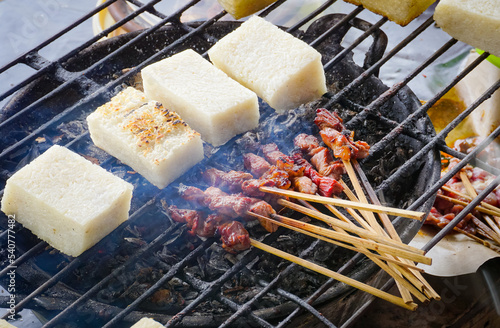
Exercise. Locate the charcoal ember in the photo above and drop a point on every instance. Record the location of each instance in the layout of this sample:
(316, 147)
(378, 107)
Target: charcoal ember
(240, 294)
(301, 283)
(323, 252)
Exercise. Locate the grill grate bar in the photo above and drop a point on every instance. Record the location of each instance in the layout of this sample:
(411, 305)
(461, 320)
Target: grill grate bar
(335, 27)
(49, 283)
(477, 162)
(104, 89)
(213, 287)
(20, 59)
(26, 255)
(98, 64)
(335, 60)
(149, 248)
(246, 307)
(60, 61)
(329, 283)
(380, 146)
(383, 98)
(78, 260)
(440, 136)
(169, 275)
(313, 14)
(359, 80)
(306, 306)
(460, 216)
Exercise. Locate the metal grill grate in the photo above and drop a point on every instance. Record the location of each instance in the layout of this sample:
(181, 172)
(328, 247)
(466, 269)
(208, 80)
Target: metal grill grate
(92, 92)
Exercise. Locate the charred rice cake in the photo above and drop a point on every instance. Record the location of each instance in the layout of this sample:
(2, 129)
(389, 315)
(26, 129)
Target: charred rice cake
(283, 70)
(66, 200)
(213, 104)
(152, 140)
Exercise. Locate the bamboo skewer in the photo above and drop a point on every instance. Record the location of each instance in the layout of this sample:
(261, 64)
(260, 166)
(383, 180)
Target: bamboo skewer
(345, 203)
(492, 208)
(334, 275)
(349, 226)
(355, 241)
(480, 208)
(472, 193)
(421, 282)
(370, 218)
(328, 240)
(479, 240)
(392, 268)
(353, 213)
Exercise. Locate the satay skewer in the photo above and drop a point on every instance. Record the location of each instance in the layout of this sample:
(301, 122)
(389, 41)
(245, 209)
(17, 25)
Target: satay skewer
(424, 284)
(472, 192)
(493, 209)
(345, 203)
(349, 226)
(464, 203)
(355, 241)
(334, 275)
(331, 241)
(369, 216)
(393, 264)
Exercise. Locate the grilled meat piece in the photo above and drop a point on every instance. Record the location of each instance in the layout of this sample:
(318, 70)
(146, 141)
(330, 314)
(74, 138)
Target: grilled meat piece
(299, 180)
(199, 222)
(338, 138)
(326, 186)
(230, 181)
(326, 119)
(233, 205)
(305, 185)
(320, 157)
(234, 236)
(256, 164)
(271, 178)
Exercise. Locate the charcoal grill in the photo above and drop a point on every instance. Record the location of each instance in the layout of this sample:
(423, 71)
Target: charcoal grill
(51, 105)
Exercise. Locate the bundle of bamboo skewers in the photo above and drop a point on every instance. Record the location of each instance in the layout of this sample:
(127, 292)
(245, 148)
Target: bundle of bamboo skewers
(487, 218)
(378, 242)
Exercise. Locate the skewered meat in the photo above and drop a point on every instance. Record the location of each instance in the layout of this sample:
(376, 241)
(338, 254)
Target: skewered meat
(256, 164)
(338, 138)
(230, 181)
(326, 185)
(444, 210)
(233, 234)
(233, 206)
(320, 157)
(271, 178)
(300, 181)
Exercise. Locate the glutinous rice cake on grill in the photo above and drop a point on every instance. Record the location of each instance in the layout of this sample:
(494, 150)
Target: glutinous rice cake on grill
(151, 139)
(281, 69)
(147, 323)
(216, 106)
(66, 200)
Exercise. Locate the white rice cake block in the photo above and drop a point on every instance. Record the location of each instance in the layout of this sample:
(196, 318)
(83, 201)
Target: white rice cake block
(244, 8)
(283, 70)
(147, 323)
(152, 140)
(476, 22)
(216, 106)
(5, 324)
(66, 200)
(401, 12)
